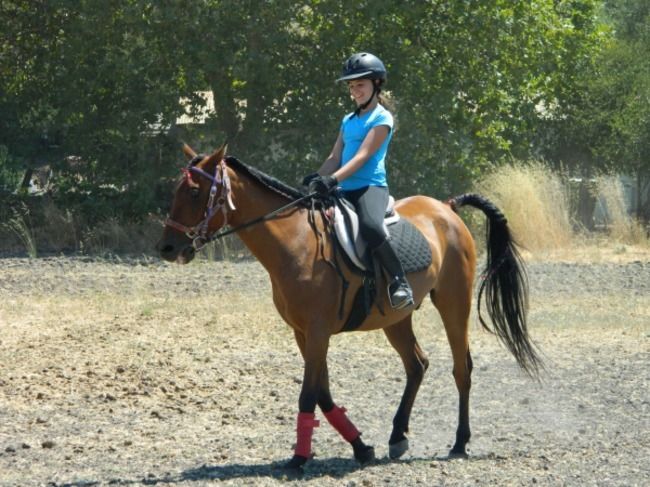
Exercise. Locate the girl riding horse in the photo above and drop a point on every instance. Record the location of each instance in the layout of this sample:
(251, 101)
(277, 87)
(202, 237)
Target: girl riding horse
(357, 164)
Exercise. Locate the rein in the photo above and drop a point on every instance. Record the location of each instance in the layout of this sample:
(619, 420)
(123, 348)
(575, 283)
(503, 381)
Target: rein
(199, 232)
(260, 219)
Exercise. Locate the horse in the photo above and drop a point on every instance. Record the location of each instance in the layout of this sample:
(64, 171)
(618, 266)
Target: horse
(219, 195)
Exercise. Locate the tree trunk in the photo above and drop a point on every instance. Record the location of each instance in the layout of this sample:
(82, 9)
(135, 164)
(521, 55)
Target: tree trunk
(227, 118)
(24, 185)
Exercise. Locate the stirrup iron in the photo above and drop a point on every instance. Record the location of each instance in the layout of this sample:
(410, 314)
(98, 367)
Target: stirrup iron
(400, 294)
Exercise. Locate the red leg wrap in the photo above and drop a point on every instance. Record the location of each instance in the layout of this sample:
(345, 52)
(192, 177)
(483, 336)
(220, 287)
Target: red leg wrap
(342, 424)
(305, 430)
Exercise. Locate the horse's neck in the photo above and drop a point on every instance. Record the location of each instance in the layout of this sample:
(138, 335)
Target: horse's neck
(278, 243)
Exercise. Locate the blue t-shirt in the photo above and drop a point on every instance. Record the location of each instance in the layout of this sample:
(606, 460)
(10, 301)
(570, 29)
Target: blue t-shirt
(354, 131)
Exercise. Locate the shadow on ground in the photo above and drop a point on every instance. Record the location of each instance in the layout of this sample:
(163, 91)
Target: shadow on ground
(316, 468)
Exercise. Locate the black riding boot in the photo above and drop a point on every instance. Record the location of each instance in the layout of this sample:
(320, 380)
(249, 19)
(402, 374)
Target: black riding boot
(399, 291)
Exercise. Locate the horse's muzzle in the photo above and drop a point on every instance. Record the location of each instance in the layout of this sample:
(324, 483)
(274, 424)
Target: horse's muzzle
(181, 254)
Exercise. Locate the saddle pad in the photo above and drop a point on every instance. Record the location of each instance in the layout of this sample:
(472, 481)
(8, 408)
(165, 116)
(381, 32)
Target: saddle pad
(410, 245)
(415, 255)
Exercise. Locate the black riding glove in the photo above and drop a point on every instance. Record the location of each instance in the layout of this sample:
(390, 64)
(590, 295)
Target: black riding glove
(309, 178)
(322, 185)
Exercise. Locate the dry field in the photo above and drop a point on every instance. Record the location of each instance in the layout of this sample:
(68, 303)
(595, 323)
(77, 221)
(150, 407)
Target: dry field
(128, 372)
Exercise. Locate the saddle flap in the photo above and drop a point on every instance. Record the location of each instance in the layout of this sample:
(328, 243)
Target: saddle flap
(346, 225)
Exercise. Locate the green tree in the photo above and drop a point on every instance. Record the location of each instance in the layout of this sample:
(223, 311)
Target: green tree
(92, 79)
(607, 128)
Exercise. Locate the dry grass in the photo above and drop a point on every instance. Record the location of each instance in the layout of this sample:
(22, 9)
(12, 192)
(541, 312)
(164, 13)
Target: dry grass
(620, 226)
(592, 251)
(113, 236)
(536, 202)
(20, 227)
(60, 232)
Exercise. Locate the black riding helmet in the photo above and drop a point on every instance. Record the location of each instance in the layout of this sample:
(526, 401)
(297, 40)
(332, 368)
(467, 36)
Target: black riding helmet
(364, 65)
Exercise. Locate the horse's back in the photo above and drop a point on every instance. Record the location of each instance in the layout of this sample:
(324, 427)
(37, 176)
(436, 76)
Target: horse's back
(425, 208)
(448, 236)
(434, 218)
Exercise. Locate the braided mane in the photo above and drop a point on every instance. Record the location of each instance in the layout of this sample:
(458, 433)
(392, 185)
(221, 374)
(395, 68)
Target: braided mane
(265, 180)
(269, 182)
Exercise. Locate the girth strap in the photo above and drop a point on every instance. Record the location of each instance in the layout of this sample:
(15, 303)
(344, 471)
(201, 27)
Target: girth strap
(334, 263)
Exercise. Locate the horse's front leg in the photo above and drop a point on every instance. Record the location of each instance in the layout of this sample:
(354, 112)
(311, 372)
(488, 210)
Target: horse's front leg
(314, 350)
(334, 414)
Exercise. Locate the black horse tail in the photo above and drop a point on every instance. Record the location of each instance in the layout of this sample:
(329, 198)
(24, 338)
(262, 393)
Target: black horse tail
(505, 284)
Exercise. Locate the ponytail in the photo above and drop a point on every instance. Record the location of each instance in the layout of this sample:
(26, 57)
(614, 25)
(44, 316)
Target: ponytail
(389, 103)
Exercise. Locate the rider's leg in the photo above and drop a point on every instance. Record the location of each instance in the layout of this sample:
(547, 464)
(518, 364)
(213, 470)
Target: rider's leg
(399, 290)
(371, 203)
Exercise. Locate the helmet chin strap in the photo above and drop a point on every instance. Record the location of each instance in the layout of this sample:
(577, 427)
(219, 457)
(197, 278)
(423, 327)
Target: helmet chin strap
(375, 91)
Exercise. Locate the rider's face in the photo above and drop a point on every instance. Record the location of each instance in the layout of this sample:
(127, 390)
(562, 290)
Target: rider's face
(360, 90)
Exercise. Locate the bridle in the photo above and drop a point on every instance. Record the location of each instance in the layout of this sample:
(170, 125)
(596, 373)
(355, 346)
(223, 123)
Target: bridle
(199, 234)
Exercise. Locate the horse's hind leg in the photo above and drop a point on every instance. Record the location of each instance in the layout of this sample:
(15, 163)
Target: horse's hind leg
(453, 303)
(403, 340)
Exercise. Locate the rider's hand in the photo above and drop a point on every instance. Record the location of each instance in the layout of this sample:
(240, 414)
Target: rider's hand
(309, 178)
(322, 185)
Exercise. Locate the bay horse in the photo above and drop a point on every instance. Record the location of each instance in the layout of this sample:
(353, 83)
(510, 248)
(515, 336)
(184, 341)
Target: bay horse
(288, 239)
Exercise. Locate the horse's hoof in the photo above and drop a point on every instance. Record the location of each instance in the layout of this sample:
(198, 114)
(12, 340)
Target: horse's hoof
(396, 450)
(295, 463)
(457, 454)
(364, 455)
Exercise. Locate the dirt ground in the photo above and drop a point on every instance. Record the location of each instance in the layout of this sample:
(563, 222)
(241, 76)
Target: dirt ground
(132, 371)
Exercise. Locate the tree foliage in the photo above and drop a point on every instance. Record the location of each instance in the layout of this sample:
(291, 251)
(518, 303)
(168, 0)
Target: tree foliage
(607, 127)
(475, 83)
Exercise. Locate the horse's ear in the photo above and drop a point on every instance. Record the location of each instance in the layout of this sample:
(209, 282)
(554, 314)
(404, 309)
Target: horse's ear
(217, 155)
(188, 151)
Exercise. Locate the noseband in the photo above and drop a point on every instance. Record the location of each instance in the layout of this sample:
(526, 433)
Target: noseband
(199, 233)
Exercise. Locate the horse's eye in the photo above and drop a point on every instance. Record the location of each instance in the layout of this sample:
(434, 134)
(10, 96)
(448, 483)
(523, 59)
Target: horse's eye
(194, 192)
